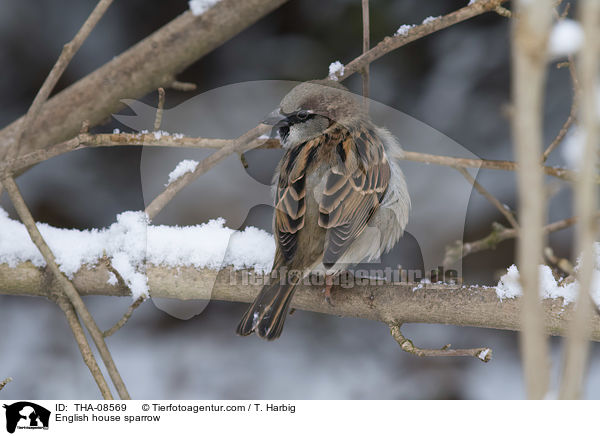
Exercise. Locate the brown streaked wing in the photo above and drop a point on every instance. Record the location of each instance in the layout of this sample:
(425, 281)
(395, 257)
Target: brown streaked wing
(290, 205)
(353, 190)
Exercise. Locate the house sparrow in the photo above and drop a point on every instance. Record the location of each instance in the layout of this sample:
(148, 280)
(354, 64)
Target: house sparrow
(333, 183)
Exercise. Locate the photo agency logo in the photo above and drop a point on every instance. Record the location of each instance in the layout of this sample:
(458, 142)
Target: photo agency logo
(25, 415)
(228, 211)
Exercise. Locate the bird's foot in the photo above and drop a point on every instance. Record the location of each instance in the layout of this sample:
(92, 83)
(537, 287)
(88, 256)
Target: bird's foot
(327, 290)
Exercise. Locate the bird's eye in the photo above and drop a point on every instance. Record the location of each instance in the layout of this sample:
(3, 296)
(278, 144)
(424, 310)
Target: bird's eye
(302, 115)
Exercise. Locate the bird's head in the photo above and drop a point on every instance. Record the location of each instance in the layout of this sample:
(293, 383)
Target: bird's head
(310, 108)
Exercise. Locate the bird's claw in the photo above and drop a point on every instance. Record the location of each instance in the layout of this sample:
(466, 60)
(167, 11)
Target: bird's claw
(327, 292)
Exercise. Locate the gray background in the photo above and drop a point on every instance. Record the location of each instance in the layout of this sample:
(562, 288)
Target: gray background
(455, 81)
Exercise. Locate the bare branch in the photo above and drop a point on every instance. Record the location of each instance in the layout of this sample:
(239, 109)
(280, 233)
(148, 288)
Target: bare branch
(503, 210)
(586, 194)
(159, 109)
(561, 263)
(84, 346)
(366, 46)
(244, 143)
(111, 331)
(65, 285)
(505, 165)
(86, 140)
(58, 69)
(182, 86)
(529, 41)
(149, 139)
(483, 354)
(498, 234)
(572, 113)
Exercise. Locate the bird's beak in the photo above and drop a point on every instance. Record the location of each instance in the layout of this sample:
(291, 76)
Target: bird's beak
(274, 118)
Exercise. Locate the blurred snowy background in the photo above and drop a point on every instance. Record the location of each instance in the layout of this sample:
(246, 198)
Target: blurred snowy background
(456, 81)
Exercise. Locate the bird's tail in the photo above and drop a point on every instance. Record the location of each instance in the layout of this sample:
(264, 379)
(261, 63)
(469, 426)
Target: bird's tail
(267, 314)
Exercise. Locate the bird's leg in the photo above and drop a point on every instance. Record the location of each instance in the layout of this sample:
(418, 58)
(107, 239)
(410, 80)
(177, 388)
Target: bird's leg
(328, 285)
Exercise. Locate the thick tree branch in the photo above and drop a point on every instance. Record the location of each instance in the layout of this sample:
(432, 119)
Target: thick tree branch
(148, 65)
(387, 303)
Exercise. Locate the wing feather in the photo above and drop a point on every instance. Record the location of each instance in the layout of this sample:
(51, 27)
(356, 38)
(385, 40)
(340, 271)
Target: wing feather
(290, 197)
(353, 191)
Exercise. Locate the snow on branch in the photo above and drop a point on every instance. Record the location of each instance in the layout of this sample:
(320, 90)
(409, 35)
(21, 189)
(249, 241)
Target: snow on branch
(409, 33)
(131, 242)
(390, 303)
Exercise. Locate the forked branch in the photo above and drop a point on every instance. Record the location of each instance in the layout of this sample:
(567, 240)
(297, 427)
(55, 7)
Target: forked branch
(484, 354)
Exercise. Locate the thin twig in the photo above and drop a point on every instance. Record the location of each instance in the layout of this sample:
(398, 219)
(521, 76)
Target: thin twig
(4, 382)
(484, 354)
(182, 86)
(65, 285)
(396, 41)
(572, 114)
(86, 140)
(56, 72)
(503, 210)
(111, 331)
(560, 262)
(498, 234)
(505, 165)
(586, 200)
(366, 45)
(245, 142)
(503, 12)
(84, 347)
(159, 109)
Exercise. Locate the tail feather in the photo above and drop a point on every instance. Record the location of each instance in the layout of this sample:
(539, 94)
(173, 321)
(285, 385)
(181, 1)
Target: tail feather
(267, 313)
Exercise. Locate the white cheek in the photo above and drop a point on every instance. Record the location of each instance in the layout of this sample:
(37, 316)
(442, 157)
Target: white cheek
(295, 136)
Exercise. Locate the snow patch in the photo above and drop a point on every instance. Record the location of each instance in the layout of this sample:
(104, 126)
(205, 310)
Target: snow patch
(565, 39)
(509, 285)
(430, 19)
(483, 354)
(403, 30)
(112, 279)
(132, 242)
(185, 166)
(336, 69)
(198, 7)
(159, 134)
